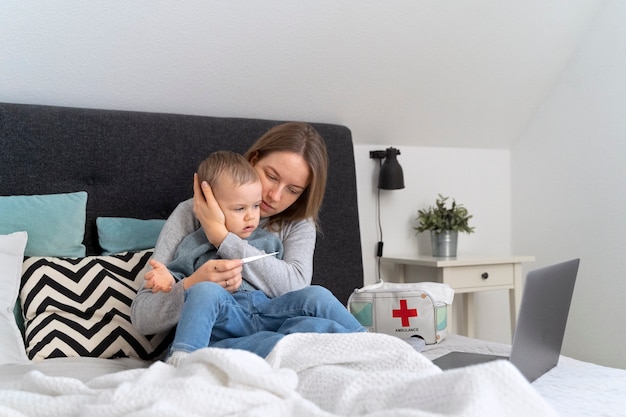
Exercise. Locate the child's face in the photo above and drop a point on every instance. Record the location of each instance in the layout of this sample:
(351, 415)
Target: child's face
(241, 205)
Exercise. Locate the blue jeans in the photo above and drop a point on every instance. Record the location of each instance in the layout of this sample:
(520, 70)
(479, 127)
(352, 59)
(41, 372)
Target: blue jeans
(249, 320)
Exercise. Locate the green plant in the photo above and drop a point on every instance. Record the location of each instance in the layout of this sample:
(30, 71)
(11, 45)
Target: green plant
(440, 218)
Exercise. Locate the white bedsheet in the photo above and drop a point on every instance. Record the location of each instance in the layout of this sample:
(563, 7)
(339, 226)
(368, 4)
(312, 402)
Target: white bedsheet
(82, 369)
(574, 388)
(305, 375)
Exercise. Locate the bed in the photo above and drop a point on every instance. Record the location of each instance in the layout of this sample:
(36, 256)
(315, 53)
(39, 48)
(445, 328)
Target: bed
(92, 187)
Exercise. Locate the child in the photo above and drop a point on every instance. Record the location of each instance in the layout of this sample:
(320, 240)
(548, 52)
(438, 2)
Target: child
(237, 189)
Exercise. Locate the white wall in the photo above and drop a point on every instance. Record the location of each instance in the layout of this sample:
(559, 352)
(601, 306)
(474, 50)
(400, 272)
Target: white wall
(479, 179)
(433, 78)
(569, 183)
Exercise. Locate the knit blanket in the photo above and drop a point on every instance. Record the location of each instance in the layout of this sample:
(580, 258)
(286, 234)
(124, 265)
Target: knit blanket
(361, 374)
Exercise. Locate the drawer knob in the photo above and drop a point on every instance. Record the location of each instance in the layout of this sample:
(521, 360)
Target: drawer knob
(484, 275)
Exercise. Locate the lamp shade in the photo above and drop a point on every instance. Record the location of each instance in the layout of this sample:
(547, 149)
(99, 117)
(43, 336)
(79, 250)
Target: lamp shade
(391, 176)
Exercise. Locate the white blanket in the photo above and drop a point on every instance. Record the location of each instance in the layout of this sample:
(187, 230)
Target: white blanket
(305, 375)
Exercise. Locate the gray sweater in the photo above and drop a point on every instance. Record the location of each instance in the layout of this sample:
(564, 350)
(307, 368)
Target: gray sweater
(158, 312)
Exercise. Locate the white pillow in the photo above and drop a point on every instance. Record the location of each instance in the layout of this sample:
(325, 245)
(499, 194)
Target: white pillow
(11, 256)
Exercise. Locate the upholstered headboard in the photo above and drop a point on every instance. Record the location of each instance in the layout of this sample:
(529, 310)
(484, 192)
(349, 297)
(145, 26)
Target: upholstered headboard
(138, 164)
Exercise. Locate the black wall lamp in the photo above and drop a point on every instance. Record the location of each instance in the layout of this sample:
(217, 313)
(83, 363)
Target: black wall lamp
(390, 177)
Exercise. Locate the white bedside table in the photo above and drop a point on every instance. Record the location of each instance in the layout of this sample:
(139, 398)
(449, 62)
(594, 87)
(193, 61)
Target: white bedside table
(467, 275)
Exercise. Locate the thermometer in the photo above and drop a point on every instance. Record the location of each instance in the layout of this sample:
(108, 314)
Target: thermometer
(254, 258)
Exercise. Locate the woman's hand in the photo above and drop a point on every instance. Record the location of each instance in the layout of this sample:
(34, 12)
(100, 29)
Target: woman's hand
(225, 272)
(208, 212)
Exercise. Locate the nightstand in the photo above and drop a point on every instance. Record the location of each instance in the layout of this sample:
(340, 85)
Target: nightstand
(468, 275)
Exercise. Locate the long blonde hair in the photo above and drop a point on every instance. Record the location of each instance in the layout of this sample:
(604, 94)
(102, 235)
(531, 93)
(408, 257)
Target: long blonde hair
(304, 140)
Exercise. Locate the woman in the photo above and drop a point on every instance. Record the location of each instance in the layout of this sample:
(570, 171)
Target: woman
(292, 163)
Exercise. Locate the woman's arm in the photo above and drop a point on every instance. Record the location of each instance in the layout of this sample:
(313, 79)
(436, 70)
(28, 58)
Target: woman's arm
(271, 275)
(158, 312)
(181, 222)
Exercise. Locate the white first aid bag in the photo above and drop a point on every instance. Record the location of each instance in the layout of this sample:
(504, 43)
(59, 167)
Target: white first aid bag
(404, 310)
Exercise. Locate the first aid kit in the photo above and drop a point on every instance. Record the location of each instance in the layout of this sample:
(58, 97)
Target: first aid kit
(404, 310)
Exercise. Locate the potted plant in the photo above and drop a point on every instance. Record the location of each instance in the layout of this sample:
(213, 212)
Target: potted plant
(444, 224)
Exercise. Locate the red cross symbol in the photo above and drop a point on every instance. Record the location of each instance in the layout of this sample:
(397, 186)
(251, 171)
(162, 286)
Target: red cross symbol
(404, 313)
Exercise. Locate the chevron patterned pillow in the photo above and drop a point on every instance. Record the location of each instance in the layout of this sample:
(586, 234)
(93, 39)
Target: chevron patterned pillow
(81, 307)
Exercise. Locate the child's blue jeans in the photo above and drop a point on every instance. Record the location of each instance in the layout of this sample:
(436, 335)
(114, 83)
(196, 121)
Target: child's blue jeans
(249, 320)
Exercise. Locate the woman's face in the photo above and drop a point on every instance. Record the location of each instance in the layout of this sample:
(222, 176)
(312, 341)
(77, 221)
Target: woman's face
(284, 176)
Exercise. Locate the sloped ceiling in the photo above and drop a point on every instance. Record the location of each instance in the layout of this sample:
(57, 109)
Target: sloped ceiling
(404, 72)
(483, 79)
(469, 74)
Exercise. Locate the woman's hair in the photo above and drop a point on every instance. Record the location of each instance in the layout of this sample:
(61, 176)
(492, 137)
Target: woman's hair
(232, 164)
(302, 139)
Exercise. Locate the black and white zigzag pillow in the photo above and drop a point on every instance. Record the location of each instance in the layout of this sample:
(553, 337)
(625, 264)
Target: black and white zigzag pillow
(81, 307)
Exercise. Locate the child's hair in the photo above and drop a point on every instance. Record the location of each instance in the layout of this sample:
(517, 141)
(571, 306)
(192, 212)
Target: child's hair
(227, 163)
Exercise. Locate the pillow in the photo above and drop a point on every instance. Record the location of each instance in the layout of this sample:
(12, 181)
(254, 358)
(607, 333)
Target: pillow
(11, 256)
(81, 307)
(55, 222)
(121, 234)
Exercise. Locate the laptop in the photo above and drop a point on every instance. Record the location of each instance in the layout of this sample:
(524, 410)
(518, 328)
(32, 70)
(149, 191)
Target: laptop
(540, 324)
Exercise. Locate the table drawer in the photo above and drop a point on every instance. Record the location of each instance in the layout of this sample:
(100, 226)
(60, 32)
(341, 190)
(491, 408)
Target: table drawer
(479, 276)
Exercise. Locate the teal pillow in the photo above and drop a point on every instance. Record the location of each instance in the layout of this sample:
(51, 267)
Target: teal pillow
(122, 234)
(55, 222)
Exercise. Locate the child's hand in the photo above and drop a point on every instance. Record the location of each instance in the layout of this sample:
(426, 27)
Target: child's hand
(159, 278)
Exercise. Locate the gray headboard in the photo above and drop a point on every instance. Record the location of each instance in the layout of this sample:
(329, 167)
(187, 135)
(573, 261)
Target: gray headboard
(138, 164)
